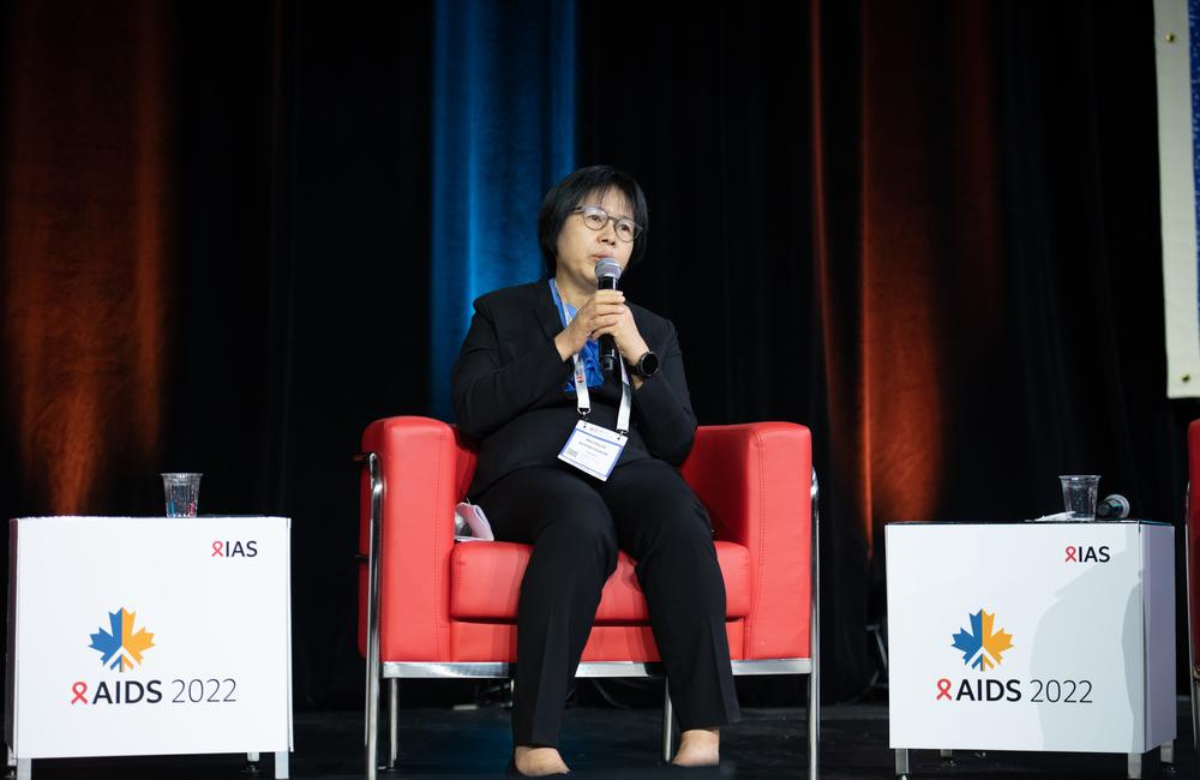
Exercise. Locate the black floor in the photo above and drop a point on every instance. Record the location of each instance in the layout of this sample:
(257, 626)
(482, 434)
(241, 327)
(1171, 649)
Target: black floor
(611, 743)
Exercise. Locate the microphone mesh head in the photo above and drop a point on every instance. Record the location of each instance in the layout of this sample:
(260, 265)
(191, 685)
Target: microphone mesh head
(1115, 505)
(607, 268)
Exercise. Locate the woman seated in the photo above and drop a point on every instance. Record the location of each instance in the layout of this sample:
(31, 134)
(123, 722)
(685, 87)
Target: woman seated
(580, 462)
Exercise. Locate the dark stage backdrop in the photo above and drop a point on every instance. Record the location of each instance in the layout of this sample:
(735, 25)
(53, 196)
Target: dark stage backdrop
(929, 231)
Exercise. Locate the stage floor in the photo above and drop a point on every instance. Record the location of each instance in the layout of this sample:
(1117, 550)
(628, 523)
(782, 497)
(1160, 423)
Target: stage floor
(612, 743)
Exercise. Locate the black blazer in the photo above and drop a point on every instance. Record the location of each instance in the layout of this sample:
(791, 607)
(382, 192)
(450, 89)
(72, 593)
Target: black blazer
(509, 388)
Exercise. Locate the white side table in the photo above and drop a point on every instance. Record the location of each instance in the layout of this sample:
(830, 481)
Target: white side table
(148, 636)
(1032, 636)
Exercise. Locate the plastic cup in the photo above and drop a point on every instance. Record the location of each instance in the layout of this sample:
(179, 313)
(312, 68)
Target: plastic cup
(1079, 495)
(182, 491)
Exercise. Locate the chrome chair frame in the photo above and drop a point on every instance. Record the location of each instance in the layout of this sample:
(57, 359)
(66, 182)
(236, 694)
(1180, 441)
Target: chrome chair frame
(394, 672)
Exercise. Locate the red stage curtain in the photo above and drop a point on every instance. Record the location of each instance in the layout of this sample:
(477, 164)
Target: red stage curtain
(925, 269)
(88, 198)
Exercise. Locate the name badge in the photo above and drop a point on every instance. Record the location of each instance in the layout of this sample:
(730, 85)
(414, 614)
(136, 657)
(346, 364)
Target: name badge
(592, 449)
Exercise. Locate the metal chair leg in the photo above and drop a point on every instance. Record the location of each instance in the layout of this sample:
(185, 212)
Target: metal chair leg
(1195, 706)
(372, 721)
(393, 723)
(814, 635)
(668, 724)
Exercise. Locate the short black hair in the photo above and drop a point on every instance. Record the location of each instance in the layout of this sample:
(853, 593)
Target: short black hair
(568, 194)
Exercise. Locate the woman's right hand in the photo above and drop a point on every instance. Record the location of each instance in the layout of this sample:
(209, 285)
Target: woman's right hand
(602, 309)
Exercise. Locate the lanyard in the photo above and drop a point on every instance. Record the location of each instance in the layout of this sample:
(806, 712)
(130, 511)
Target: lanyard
(583, 399)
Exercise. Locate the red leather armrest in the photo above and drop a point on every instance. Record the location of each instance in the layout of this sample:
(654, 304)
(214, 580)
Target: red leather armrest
(756, 480)
(426, 468)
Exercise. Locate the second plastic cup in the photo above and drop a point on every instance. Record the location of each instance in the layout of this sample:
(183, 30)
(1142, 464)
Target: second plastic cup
(1079, 495)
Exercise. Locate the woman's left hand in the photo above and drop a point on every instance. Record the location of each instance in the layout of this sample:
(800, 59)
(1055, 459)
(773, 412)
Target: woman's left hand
(625, 333)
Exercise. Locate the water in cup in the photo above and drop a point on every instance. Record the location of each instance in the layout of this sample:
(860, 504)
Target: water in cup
(1079, 495)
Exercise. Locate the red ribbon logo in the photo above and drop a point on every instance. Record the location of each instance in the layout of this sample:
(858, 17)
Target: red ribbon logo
(79, 689)
(1070, 555)
(943, 686)
(217, 550)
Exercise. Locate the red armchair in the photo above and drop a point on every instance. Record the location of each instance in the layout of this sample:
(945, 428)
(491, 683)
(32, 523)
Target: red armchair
(431, 608)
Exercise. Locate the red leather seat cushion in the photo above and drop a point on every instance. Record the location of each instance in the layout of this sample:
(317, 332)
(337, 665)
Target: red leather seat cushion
(485, 583)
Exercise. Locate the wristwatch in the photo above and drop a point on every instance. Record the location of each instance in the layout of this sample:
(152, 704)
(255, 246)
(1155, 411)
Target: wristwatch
(647, 365)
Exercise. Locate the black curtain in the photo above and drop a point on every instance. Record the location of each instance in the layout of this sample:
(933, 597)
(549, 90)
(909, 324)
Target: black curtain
(306, 184)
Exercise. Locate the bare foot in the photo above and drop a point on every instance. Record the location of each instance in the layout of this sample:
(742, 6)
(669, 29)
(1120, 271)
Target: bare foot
(699, 747)
(539, 761)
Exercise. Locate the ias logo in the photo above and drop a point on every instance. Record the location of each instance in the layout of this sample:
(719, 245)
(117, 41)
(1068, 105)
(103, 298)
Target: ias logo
(982, 647)
(121, 647)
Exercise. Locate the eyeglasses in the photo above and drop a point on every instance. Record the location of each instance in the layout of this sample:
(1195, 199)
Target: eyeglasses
(596, 218)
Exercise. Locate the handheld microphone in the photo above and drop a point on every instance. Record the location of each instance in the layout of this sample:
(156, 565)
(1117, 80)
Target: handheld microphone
(1115, 505)
(608, 273)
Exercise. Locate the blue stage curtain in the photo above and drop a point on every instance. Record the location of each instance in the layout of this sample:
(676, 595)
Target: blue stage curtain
(503, 133)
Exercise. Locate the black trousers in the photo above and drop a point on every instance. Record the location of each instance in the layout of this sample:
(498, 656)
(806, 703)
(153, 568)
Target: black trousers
(576, 524)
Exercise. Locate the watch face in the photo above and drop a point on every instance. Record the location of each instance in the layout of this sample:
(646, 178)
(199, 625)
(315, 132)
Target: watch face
(648, 364)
